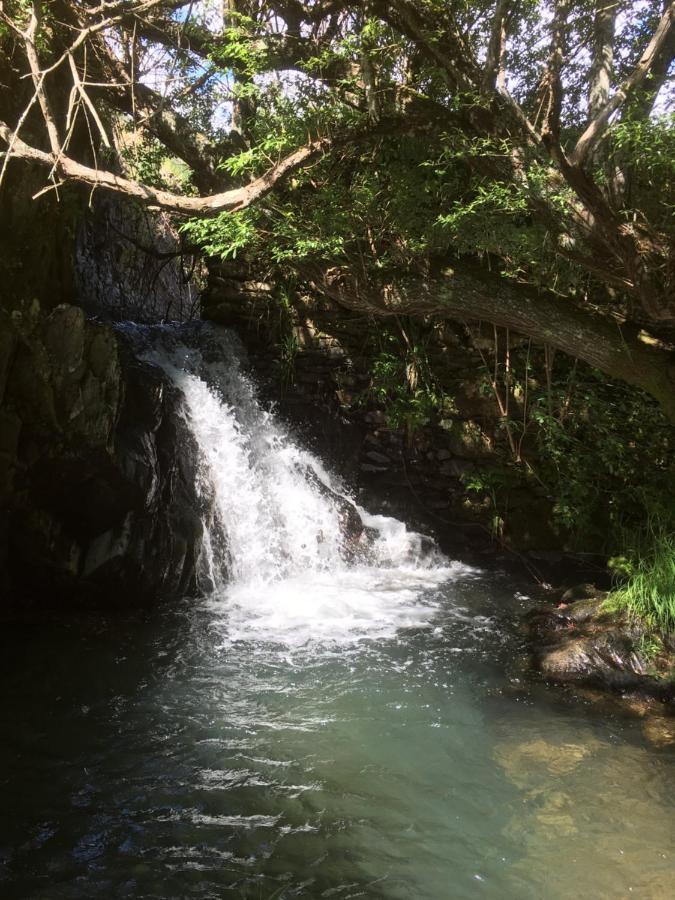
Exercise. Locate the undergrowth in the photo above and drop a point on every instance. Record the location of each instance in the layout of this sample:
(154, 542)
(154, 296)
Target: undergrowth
(648, 592)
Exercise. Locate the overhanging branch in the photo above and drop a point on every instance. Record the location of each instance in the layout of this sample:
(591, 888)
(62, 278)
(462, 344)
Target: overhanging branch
(469, 293)
(226, 201)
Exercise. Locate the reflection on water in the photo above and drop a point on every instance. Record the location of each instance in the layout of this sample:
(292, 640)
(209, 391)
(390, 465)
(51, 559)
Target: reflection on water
(179, 756)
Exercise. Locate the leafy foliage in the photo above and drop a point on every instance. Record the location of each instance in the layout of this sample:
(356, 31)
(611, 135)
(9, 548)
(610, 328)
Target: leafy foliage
(647, 148)
(600, 436)
(403, 385)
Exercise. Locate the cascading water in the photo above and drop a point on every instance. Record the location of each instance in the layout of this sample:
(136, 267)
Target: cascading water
(253, 745)
(288, 550)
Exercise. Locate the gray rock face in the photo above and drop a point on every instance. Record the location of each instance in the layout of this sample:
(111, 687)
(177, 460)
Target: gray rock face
(97, 468)
(123, 265)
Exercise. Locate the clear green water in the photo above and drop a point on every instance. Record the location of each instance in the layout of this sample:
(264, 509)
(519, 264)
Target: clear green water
(150, 757)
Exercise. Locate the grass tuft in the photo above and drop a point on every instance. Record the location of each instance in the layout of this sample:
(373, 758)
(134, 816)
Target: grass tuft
(649, 592)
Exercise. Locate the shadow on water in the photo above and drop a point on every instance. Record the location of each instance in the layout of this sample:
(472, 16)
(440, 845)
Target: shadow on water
(153, 756)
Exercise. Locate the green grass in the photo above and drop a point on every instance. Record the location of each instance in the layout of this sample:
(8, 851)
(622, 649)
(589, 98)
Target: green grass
(649, 592)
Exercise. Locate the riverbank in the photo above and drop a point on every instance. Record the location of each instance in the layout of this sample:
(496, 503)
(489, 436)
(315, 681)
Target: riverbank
(582, 638)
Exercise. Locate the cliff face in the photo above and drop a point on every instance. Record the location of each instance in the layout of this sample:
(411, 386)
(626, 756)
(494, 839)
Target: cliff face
(128, 266)
(97, 479)
(97, 470)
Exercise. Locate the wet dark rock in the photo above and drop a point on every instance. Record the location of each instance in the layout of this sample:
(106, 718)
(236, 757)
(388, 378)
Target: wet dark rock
(586, 610)
(609, 657)
(368, 467)
(97, 467)
(583, 643)
(530, 526)
(583, 591)
(378, 458)
(356, 536)
(114, 277)
(457, 468)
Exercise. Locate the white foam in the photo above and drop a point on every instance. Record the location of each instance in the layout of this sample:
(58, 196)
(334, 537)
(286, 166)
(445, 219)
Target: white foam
(276, 558)
(333, 607)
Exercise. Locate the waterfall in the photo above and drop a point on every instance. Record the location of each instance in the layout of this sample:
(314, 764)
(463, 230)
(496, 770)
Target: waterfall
(286, 547)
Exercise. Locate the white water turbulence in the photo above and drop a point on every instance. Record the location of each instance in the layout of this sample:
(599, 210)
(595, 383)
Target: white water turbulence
(288, 556)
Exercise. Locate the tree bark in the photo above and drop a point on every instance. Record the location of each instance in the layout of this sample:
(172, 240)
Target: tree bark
(651, 56)
(551, 86)
(494, 74)
(603, 57)
(469, 293)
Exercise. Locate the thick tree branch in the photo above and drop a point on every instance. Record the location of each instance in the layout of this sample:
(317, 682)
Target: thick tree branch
(551, 83)
(450, 54)
(470, 293)
(494, 74)
(600, 75)
(274, 52)
(173, 130)
(596, 129)
(642, 101)
(463, 74)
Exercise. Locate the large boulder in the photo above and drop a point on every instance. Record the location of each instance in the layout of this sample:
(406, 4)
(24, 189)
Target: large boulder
(97, 467)
(582, 641)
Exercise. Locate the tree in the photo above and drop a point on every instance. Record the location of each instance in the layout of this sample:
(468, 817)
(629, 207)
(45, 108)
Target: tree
(511, 162)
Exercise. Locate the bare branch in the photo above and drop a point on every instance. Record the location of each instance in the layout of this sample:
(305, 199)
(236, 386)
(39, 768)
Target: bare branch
(39, 77)
(15, 136)
(126, 7)
(102, 25)
(227, 201)
(85, 97)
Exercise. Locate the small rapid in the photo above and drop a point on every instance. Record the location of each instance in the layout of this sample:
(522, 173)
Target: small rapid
(288, 554)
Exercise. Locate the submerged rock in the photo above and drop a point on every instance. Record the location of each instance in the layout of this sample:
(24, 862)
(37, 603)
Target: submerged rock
(659, 730)
(526, 761)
